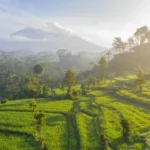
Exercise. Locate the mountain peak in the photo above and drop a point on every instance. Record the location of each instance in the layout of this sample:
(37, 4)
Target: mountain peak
(48, 31)
(52, 36)
(30, 32)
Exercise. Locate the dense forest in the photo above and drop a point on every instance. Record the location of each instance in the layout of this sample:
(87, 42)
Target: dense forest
(73, 101)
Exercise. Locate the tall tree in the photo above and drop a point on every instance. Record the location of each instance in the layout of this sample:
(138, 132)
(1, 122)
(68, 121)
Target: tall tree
(140, 35)
(108, 54)
(131, 43)
(119, 45)
(38, 69)
(103, 65)
(69, 80)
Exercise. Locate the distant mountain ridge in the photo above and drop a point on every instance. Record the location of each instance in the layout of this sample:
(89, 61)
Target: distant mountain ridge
(51, 38)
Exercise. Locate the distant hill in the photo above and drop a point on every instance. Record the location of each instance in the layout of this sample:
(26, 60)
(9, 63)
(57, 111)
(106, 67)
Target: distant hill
(51, 38)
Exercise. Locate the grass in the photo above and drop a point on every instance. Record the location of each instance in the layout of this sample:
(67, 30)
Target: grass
(88, 136)
(134, 97)
(43, 104)
(110, 126)
(19, 127)
(99, 112)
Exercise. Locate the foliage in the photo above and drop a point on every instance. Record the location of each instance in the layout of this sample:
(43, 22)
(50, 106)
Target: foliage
(94, 81)
(75, 93)
(96, 123)
(32, 87)
(4, 101)
(103, 63)
(33, 105)
(69, 80)
(40, 121)
(101, 118)
(38, 69)
(140, 83)
(119, 45)
(126, 129)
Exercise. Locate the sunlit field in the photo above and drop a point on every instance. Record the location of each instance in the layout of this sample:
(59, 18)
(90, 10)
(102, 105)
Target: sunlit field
(100, 112)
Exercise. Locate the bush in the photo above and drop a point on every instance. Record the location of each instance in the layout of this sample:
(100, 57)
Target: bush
(4, 101)
(75, 93)
(122, 147)
(68, 96)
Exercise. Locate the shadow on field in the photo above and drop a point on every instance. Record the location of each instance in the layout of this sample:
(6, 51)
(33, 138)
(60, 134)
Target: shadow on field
(115, 143)
(40, 100)
(26, 136)
(11, 125)
(133, 102)
(145, 130)
(52, 120)
(10, 105)
(128, 101)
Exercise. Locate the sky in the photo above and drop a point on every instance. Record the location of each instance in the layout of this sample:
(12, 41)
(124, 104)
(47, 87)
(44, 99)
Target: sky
(98, 21)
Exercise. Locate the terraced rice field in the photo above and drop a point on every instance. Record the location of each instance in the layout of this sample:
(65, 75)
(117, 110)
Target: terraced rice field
(78, 124)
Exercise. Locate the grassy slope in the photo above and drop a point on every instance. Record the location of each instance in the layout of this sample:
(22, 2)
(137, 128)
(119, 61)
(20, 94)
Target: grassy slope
(100, 112)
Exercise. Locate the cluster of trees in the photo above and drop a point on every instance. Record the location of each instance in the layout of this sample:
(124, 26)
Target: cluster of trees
(133, 52)
(15, 87)
(97, 75)
(18, 76)
(36, 82)
(24, 78)
(127, 55)
(70, 60)
(141, 36)
(136, 84)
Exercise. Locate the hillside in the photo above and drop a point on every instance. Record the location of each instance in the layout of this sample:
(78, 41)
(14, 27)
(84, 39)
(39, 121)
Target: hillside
(81, 122)
(74, 75)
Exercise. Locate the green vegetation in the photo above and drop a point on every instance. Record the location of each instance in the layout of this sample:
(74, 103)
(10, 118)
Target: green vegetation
(100, 109)
(69, 80)
(100, 120)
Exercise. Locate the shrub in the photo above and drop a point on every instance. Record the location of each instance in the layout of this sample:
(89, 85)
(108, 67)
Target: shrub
(68, 96)
(4, 101)
(122, 147)
(33, 105)
(75, 93)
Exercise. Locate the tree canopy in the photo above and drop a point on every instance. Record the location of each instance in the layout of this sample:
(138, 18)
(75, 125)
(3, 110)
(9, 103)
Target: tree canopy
(69, 80)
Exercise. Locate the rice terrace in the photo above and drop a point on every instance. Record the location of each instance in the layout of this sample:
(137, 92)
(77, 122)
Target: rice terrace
(86, 122)
(74, 75)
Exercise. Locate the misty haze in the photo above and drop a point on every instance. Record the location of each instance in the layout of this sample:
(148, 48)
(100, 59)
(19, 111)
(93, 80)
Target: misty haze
(74, 75)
